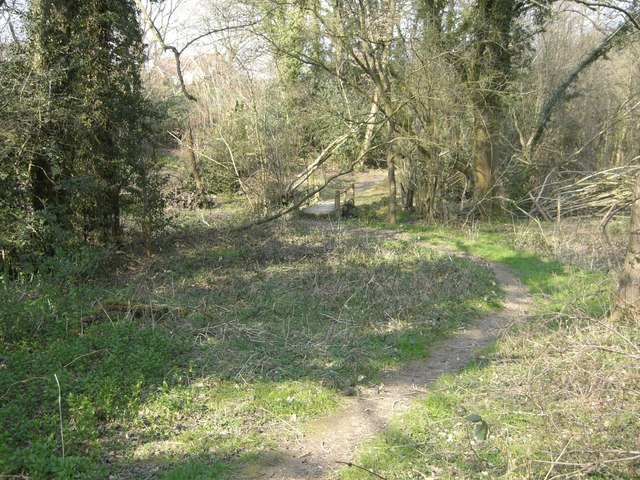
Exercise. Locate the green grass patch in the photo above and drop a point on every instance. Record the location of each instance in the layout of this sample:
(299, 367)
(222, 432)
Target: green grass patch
(193, 363)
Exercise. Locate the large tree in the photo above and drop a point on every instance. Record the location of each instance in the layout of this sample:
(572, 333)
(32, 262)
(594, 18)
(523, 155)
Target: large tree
(88, 56)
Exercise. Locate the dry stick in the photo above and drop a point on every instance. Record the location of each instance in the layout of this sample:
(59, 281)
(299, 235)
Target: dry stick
(482, 462)
(233, 163)
(19, 382)
(594, 464)
(613, 350)
(615, 332)
(536, 202)
(539, 207)
(553, 465)
(60, 412)
(86, 355)
(349, 464)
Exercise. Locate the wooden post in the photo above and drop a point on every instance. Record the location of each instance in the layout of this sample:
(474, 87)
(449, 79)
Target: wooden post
(559, 212)
(353, 194)
(336, 205)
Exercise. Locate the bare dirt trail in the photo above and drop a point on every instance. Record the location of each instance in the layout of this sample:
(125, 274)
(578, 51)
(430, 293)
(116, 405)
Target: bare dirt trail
(335, 438)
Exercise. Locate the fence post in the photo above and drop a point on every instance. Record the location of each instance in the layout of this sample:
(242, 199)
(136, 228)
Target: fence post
(336, 204)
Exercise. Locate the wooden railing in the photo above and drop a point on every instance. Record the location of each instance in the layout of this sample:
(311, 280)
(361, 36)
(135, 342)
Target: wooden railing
(348, 193)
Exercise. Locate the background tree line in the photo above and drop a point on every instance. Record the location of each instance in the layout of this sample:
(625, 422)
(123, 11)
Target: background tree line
(474, 107)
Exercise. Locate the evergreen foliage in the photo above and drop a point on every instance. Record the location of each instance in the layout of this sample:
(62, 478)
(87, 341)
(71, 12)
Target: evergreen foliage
(73, 93)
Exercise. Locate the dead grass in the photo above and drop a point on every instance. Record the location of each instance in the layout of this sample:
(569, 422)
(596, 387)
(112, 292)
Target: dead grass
(239, 338)
(576, 241)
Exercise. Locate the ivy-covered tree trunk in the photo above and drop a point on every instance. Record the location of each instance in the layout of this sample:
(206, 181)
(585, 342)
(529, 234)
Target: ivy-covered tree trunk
(488, 74)
(87, 55)
(51, 34)
(628, 294)
(486, 159)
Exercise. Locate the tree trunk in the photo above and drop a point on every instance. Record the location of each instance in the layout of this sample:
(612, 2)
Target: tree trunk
(628, 294)
(193, 163)
(408, 194)
(486, 160)
(368, 134)
(42, 187)
(113, 210)
(392, 154)
(391, 174)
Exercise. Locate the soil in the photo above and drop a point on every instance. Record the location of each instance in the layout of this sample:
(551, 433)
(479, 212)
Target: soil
(332, 441)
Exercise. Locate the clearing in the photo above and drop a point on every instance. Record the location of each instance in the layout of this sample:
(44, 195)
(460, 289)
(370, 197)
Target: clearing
(280, 352)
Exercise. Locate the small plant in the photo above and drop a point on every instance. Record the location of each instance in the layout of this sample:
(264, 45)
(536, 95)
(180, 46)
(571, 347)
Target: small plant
(480, 431)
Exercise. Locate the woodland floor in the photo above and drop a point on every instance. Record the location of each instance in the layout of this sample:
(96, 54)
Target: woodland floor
(316, 348)
(332, 441)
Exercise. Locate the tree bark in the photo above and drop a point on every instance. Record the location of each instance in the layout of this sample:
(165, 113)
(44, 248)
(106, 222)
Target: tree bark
(486, 160)
(193, 163)
(368, 134)
(391, 174)
(628, 294)
(392, 154)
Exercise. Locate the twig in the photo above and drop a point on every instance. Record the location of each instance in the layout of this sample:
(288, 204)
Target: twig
(614, 331)
(86, 355)
(482, 462)
(613, 350)
(184, 144)
(553, 465)
(60, 412)
(349, 464)
(20, 382)
(592, 464)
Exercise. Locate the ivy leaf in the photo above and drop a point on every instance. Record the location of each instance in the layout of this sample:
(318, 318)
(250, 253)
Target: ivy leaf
(480, 431)
(474, 417)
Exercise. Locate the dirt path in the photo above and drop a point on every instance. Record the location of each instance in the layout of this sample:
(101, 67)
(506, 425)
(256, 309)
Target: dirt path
(335, 438)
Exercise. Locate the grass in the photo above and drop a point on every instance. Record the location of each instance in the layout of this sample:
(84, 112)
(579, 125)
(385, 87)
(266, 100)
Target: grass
(560, 393)
(196, 362)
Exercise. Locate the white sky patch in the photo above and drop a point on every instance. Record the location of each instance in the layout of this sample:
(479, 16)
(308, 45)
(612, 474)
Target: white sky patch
(219, 28)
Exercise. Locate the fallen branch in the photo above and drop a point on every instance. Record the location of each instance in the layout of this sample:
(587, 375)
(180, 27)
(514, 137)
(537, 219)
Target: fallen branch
(319, 161)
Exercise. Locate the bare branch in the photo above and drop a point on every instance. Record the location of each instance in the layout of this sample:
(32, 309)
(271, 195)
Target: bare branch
(624, 11)
(174, 50)
(547, 109)
(217, 30)
(305, 197)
